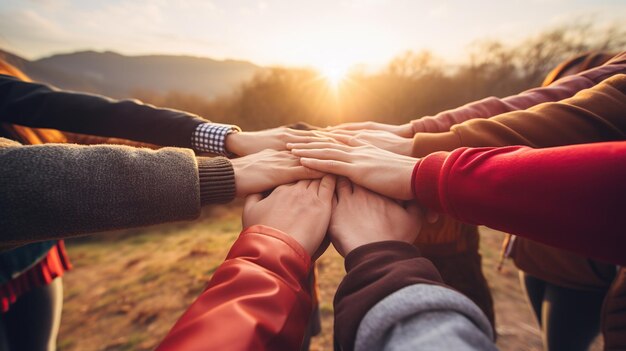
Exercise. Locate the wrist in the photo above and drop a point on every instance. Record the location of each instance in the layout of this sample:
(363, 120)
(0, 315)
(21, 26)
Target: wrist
(297, 236)
(405, 178)
(405, 147)
(238, 165)
(405, 130)
(233, 143)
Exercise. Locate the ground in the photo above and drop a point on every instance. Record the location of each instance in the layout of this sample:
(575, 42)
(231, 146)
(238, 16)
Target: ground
(128, 288)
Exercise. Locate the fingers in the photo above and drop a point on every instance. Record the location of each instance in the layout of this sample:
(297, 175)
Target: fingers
(345, 137)
(432, 217)
(360, 192)
(321, 249)
(305, 136)
(279, 189)
(350, 126)
(341, 131)
(306, 183)
(300, 132)
(414, 210)
(328, 166)
(294, 139)
(417, 213)
(326, 188)
(324, 154)
(317, 145)
(252, 199)
(344, 187)
(303, 172)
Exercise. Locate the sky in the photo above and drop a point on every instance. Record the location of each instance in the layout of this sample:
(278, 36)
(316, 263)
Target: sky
(322, 33)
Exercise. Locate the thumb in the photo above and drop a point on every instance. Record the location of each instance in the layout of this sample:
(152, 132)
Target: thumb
(415, 212)
(252, 200)
(432, 216)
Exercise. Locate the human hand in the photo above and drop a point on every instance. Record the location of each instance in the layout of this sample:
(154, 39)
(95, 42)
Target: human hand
(379, 170)
(301, 210)
(361, 217)
(268, 169)
(381, 139)
(246, 143)
(403, 130)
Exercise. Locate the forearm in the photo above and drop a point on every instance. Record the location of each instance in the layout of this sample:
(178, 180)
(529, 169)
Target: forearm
(55, 191)
(492, 106)
(558, 196)
(592, 115)
(258, 299)
(41, 106)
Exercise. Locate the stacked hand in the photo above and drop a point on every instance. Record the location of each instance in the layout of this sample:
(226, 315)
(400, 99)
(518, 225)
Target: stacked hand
(381, 139)
(362, 217)
(268, 169)
(403, 130)
(308, 207)
(307, 210)
(381, 171)
(301, 209)
(373, 159)
(247, 143)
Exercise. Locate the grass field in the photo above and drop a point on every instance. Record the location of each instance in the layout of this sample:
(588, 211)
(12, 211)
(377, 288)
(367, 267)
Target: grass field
(128, 288)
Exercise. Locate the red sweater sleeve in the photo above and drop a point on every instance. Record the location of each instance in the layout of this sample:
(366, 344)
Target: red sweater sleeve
(561, 89)
(571, 197)
(258, 299)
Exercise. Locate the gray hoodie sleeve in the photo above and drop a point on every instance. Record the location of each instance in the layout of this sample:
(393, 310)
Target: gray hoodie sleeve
(55, 191)
(425, 317)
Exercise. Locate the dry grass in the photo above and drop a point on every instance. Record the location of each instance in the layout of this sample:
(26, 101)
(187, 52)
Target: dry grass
(128, 288)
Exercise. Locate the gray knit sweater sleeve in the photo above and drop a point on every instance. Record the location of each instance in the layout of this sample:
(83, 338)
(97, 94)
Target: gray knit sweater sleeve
(425, 317)
(56, 191)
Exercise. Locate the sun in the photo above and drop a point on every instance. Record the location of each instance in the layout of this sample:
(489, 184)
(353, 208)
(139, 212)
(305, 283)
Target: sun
(334, 73)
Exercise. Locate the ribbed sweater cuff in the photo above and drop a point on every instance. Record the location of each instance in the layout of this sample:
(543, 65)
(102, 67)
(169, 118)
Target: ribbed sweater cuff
(217, 180)
(426, 182)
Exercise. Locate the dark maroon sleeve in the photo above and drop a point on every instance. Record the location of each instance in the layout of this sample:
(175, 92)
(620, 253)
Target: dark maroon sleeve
(375, 271)
(571, 197)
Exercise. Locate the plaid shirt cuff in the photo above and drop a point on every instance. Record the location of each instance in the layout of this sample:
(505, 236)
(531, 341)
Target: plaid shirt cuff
(211, 137)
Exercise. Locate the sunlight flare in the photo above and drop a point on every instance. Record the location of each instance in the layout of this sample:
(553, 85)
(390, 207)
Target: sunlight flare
(334, 73)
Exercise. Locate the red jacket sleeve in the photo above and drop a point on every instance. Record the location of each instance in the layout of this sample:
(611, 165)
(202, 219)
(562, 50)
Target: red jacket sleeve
(571, 197)
(561, 89)
(258, 299)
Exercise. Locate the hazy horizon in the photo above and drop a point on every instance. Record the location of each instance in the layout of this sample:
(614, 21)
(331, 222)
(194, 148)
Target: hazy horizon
(324, 34)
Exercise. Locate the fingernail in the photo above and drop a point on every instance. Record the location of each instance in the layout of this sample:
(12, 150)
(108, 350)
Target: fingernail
(289, 145)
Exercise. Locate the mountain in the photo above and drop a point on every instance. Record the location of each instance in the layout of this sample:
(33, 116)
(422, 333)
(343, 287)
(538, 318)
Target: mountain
(117, 75)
